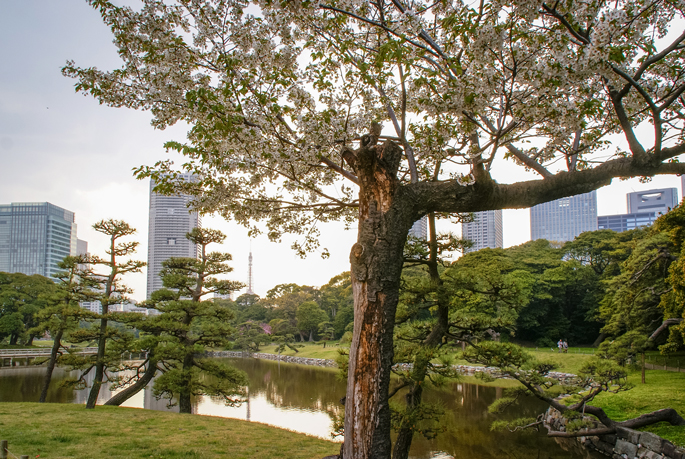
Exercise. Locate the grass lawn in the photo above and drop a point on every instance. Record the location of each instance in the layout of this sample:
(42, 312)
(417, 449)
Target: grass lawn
(310, 350)
(55, 431)
(663, 389)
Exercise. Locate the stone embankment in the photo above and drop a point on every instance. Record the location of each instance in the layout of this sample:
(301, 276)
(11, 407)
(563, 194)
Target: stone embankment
(624, 444)
(467, 370)
(281, 358)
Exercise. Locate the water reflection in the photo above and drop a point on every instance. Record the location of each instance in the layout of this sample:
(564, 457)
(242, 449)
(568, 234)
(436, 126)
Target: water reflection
(305, 399)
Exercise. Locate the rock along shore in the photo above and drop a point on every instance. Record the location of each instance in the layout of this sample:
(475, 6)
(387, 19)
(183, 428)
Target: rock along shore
(467, 370)
(624, 444)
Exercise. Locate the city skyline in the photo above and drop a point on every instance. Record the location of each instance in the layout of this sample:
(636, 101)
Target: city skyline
(64, 148)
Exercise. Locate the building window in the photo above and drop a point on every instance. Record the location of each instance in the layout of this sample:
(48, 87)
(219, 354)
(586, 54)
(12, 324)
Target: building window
(171, 241)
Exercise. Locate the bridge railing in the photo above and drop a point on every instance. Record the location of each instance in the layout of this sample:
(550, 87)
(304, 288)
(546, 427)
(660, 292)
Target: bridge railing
(41, 352)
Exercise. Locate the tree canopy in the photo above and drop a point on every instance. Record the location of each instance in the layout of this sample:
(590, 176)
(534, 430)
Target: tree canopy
(274, 91)
(303, 112)
(21, 298)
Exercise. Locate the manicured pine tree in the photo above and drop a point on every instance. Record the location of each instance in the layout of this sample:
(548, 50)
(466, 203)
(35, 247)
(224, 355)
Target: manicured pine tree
(189, 324)
(110, 291)
(63, 313)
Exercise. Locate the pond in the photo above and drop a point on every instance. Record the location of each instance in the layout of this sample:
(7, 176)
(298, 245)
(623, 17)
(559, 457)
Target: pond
(305, 399)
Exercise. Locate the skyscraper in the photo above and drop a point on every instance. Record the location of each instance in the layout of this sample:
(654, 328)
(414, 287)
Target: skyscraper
(420, 228)
(170, 221)
(564, 219)
(626, 222)
(484, 231)
(644, 207)
(659, 201)
(34, 237)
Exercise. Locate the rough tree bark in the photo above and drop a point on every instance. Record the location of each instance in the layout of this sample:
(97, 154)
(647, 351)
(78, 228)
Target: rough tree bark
(57, 343)
(386, 214)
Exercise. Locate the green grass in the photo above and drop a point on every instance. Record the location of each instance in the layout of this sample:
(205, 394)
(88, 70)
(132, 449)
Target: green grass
(310, 350)
(663, 389)
(55, 431)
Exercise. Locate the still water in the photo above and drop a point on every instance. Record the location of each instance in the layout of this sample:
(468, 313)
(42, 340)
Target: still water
(305, 399)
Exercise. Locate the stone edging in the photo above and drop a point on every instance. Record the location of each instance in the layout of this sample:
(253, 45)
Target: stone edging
(461, 369)
(624, 444)
(281, 358)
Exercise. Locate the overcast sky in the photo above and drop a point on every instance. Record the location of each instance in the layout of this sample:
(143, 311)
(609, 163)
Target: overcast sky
(64, 148)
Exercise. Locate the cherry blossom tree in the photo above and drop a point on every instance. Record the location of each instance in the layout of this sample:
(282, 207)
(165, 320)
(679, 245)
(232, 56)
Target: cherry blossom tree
(381, 112)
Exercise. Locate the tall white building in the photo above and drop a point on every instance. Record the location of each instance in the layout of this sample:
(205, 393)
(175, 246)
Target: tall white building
(170, 221)
(484, 231)
(564, 219)
(420, 228)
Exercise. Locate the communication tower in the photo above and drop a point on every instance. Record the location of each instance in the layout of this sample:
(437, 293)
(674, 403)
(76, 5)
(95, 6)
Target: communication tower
(250, 291)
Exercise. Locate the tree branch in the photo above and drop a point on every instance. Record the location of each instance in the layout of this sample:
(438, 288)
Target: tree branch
(528, 161)
(664, 325)
(451, 196)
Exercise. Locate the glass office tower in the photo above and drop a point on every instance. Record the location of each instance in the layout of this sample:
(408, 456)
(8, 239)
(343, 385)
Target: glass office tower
(170, 221)
(419, 229)
(34, 237)
(564, 219)
(484, 231)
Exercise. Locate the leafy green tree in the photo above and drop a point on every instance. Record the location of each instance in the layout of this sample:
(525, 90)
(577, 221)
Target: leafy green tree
(309, 316)
(326, 331)
(287, 110)
(249, 336)
(673, 305)
(21, 297)
(565, 293)
(64, 312)
(625, 349)
(189, 324)
(634, 300)
(343, 319)
(286, 341)
(475, 298)
(602, 250)
(336, 294)
(246, 300)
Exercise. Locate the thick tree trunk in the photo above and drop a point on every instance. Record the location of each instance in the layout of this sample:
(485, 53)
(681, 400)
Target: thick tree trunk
(57, 343)
(385, 217)
(13, 339)
(184, 402)
(99, 363)
(133, 389)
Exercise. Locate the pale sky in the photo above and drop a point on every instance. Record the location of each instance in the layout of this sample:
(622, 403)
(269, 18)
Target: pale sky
(64, 148)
